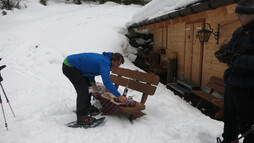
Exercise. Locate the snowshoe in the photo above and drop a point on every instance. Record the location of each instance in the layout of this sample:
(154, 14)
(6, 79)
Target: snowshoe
(91, 123)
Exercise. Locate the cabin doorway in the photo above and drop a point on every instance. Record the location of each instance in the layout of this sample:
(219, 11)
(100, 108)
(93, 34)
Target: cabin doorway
(193, 53)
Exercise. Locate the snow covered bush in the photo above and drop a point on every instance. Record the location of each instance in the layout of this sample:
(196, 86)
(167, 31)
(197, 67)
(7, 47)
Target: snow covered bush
(9, 4)
(43, 2)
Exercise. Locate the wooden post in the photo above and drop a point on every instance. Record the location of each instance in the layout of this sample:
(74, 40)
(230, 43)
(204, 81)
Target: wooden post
(172, 67)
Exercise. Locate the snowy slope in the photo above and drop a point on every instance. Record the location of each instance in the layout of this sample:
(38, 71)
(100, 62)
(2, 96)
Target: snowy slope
(35, 41)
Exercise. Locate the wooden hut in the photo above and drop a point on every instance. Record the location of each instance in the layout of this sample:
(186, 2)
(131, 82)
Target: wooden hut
(176, 34)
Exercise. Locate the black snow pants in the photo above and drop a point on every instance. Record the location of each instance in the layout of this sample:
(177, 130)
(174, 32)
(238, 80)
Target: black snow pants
(81, 85)
(238, 113)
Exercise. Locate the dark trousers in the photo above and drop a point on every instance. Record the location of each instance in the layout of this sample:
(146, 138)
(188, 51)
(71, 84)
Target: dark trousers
(238, 113)
(81, 84)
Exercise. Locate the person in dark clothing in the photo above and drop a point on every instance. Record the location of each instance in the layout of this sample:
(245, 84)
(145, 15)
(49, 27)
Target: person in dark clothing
(81, 70)
(238, 54)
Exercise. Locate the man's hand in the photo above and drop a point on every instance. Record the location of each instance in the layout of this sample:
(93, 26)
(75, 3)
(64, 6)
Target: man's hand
(123, 99)
(224, 55)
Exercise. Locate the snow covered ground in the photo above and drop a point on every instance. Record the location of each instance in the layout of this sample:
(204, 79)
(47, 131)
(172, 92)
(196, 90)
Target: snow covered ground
(34, 43)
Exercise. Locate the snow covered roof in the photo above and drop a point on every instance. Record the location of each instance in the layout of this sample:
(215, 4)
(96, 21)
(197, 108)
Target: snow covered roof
(160, 10)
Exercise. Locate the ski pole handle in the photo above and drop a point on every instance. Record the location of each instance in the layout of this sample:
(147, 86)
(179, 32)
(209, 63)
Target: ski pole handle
(3, 66)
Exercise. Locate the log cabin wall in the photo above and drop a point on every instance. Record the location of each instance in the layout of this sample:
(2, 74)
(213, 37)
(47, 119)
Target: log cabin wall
(196, 62)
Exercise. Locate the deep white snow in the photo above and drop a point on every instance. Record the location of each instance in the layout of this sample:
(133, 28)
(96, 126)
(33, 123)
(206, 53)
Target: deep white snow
(34, 43)
(157, 8)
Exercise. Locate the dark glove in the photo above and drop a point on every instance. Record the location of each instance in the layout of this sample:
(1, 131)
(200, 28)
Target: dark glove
(224, 55)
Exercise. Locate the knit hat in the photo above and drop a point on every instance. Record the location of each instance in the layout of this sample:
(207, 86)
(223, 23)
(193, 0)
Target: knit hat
(245, 7)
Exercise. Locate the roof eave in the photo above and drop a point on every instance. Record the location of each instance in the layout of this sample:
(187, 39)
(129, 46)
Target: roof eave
(209, 5)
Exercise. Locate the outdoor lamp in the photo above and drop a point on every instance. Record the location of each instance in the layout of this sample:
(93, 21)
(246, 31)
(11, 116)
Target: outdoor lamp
(204, 34)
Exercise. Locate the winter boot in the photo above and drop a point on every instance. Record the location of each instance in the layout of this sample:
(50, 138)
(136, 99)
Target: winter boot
(93, 111)
(85, 120)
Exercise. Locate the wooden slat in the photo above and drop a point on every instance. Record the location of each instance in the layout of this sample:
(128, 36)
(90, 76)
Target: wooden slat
(217, 84)
(214, 100)
(131, 110)
(197, 55)
(188, 50)
(145, 77)
(135, 85)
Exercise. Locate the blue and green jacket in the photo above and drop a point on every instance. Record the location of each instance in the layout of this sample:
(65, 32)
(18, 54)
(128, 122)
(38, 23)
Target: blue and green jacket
(93, 64)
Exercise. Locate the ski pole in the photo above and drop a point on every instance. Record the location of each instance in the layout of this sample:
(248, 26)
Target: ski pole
(218, 140)
(1, 79)
(245, 134)
(6, 125)
(7, 100)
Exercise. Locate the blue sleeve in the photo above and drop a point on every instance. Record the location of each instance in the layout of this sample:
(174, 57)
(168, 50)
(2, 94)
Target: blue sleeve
(108, 83)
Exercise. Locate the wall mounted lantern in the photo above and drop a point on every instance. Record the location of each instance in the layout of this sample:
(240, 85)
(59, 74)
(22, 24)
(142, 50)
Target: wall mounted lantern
(204, 34)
